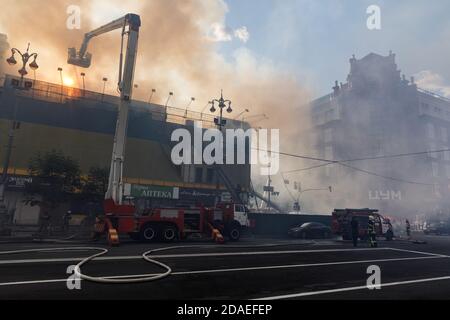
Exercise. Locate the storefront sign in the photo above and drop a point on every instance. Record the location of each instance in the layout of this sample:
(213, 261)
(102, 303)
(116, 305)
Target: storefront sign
(156, 192)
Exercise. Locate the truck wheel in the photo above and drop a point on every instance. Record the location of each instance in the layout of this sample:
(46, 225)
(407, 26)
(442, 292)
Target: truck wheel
(149, 233)
(234, 232)
(169, 234)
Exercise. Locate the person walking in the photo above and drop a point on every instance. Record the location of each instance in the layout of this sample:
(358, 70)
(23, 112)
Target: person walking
(355, 231)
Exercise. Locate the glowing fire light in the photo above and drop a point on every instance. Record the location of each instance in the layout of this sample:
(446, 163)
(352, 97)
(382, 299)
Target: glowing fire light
(68, 81)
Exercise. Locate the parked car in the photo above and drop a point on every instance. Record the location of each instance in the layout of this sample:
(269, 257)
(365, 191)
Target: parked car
(310, 230)
(441, 228)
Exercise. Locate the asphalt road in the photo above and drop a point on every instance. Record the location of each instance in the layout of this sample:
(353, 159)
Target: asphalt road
(250, 269)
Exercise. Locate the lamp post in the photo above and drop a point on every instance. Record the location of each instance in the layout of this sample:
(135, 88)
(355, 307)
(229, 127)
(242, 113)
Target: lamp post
(104, 87)
(297, 204)
(14, 125)
(62, 81)
(167, 104)
(240, 114)
(25, 58)
(220, 123)
(187, 108)
(84, 85)
(151, 96)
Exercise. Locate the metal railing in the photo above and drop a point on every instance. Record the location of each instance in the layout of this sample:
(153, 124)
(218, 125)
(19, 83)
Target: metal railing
(50, 92)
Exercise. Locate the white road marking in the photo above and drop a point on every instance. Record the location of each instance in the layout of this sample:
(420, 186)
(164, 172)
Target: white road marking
(190, 255)
(182, 273)
(315, 293)
(420, 252)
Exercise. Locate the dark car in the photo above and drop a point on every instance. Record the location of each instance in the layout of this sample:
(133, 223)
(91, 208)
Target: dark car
(310, 230)
(438, 229)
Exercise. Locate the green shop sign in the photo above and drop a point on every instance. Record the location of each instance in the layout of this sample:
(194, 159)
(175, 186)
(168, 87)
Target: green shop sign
(141, 191)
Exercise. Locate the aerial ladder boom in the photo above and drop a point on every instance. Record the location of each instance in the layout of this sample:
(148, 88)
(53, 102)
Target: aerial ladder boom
(82, 59)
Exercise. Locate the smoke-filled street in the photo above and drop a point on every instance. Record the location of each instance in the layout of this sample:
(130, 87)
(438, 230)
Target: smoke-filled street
(200, 152)
(255, 269)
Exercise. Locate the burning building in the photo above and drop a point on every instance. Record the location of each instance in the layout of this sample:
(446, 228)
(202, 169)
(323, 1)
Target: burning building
(378, 113)
(81, 125)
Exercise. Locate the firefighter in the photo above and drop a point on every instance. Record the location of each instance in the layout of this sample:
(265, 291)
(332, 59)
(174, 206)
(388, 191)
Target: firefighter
(355, 231)
(44, 223)
(371, 232)
(408, 229)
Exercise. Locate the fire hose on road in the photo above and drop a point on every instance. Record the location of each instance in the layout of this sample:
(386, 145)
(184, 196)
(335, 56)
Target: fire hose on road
(125, 279)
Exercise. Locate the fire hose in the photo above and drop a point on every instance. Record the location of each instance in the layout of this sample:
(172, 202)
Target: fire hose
(125, 279)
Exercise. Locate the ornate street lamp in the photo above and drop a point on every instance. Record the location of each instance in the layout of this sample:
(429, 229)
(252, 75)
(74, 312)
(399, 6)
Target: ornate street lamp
(25, 58)
(220, 122)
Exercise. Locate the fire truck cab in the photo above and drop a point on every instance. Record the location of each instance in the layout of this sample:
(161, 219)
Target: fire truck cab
(341, 223)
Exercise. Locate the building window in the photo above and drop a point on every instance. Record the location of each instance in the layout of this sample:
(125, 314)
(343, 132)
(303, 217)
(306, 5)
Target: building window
(444, 134)
(437, 190)
(198, 175)
(435, 169)
(433, 148)
(328, 135)
(447, 155)
(431, 134)
(329, 153)
(329, 156)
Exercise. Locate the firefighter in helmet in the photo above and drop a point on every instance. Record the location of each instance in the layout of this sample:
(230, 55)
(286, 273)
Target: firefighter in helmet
(371, 232)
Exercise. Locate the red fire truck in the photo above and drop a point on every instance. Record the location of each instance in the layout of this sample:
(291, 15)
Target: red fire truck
(341, 223)
(164, 223)
(170, 224)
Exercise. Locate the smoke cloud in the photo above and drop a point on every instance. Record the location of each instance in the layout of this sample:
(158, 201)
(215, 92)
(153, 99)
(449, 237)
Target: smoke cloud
(175, 54)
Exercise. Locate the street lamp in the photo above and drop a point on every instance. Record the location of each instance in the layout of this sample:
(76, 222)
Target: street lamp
(25, 58)
(240, 114)
(167, 104)
(297, 204)
(220, 122)
(84, 86)
(62, 81)
(168, 99)
(104, 87)
(14, 126)
(187, 108)
(151, 96)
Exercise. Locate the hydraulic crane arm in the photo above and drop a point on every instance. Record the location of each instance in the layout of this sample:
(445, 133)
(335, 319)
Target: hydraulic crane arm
(83, 59)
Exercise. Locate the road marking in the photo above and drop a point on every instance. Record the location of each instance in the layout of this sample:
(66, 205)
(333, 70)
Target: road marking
(183, 273)
(188, 255)
(420, 252)
(315, 293)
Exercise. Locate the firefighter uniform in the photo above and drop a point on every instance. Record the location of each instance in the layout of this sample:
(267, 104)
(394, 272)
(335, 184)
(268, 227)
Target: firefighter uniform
(408, 229)
(371, 233)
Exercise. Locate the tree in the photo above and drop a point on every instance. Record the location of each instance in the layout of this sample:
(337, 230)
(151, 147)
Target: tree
(55, 177)
(95, 184)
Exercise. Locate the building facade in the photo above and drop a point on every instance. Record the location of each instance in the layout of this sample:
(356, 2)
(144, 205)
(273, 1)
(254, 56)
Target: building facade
(375, 114)
(81, 124)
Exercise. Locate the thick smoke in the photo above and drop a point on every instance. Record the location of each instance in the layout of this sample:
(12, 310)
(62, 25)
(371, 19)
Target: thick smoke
(175, 54)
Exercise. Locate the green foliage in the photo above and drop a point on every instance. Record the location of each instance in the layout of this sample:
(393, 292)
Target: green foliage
(95, 184)
(55, 177)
